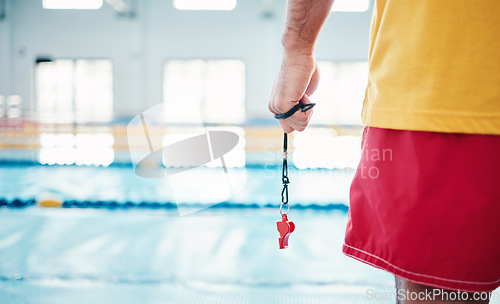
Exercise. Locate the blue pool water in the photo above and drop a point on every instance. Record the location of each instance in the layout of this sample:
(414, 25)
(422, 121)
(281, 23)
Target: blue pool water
(261, 185)
(153, 255)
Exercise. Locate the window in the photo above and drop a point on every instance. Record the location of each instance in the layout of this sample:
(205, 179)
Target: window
(79, 149)
(221, 5)
(322, 148)
(72, 4)
(340, 93)
(196, 91)
(351, 5)
(74, 90)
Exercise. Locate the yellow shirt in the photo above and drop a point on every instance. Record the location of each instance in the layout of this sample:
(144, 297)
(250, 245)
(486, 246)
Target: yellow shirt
(434, 65)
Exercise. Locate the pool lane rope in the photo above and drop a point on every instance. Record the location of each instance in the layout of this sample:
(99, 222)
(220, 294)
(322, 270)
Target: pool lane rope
(285, 226)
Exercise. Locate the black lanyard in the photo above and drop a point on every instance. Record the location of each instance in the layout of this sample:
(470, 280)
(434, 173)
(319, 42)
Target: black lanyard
(284, 173)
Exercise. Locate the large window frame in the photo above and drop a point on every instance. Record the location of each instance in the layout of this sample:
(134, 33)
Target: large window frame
(179, 93)
(349, 6)
(74, 89)
(205, 5)
(72, 4)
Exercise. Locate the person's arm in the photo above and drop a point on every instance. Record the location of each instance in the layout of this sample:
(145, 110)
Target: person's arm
(298, 76)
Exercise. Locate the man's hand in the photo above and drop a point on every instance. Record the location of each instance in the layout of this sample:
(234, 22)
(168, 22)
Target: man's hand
(297, 80)
(298, 76)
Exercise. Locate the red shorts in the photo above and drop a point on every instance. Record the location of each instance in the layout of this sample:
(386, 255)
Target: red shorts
(425, 206)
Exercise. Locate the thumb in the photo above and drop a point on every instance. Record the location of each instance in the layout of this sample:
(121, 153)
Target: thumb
(305, 100)
(299, 120)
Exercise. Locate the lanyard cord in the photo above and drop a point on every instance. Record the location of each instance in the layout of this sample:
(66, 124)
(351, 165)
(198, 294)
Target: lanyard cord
(284, 175)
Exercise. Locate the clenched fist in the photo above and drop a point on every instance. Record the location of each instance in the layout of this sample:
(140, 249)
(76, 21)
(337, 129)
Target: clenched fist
(297, 80)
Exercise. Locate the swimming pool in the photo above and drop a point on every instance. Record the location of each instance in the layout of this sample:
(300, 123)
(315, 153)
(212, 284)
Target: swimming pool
(154, 256)
(149, 254)
(117, 185)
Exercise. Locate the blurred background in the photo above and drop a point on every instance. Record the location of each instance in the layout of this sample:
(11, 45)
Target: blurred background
(74, 73)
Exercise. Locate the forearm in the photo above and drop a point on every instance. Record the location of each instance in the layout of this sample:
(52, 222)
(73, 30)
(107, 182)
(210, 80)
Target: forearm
(304, 21)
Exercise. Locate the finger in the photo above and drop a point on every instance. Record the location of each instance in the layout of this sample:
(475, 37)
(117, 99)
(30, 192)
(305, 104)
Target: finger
(292, 123)
(282, 106)
(314, 81)
(299, 120)
(286, 128)
(284, 124)
(296, 127)
(272, 102)
(301, 117)
(273, 108)
(299, 126)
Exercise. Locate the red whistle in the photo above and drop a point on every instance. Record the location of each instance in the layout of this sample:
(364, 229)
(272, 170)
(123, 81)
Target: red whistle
(285, 228)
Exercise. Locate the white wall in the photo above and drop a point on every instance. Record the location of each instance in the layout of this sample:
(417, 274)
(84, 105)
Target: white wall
(4, 55)
(140, 46)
